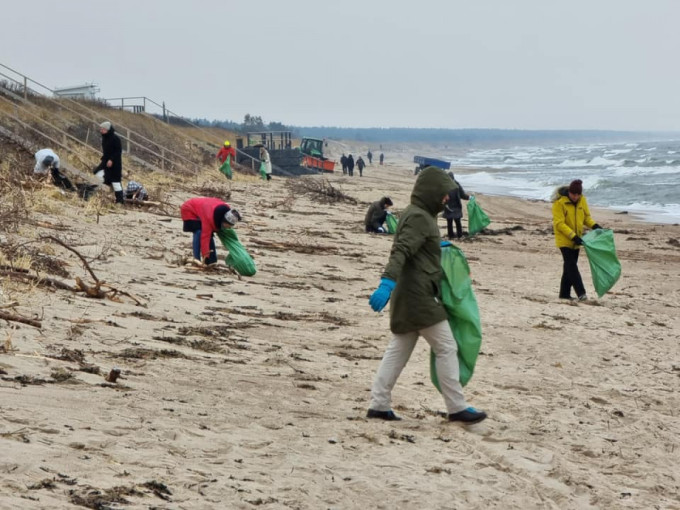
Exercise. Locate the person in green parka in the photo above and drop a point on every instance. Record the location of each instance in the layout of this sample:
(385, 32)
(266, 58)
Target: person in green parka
(413, 278)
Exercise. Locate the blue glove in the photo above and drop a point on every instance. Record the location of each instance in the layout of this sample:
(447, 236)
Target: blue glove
(381, 295)
(444, 244)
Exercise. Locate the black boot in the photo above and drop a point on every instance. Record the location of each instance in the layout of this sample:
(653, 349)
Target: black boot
(119, 197)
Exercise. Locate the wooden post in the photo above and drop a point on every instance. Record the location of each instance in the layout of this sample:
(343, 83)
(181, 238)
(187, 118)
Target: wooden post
(127, 141)
(25, 88)
(163, 151)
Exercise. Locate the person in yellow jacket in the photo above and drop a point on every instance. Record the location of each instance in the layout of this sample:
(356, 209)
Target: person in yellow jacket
(570, 214)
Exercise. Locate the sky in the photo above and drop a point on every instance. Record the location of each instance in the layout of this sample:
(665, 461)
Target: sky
(512, 64)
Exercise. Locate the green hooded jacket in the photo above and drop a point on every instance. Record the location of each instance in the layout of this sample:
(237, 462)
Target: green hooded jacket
(415, 258)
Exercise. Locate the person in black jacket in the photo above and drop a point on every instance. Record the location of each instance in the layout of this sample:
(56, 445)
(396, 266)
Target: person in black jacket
(110, 169)
(350, 165)
(343, 162)
(453, 209)
(360, 165)
(376, 216)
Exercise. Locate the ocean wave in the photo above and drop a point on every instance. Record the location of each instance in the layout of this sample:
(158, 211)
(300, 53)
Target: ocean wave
(597, 161)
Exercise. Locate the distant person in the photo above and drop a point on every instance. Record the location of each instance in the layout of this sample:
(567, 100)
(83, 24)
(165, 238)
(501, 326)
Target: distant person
(47, 163)
(350, 165)
(382, 158)
(360, 165)
(226, 156)
(204, 217)
(264, 157)
(135, 191)
(343, 162)
(453, 209)
(376, 216)
(110, 169)
(570, 214)
(369, 155)
(413, 274)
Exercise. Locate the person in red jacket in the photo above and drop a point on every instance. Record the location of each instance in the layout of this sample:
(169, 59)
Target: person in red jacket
(204, 216)
(226, 156)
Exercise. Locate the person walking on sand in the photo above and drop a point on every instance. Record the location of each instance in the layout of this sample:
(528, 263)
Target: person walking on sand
(360, 165)
(376, 216)
(110, 168)
(204, 216)
(343, 162)
(413, 273)
(570, 214)
(264, 157)
(226, 156)
(350, 165)
(369, 155)
(382, 158)
(453, 209)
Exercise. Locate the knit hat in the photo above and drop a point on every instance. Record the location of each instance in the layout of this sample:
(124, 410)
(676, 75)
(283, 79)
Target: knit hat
(105, 125)
(388, 201)
(232, 217)
(576, 187)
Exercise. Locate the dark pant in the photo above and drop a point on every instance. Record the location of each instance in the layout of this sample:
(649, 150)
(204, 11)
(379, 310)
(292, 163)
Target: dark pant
(571, 277)
(449, 227)
(60, 180)
(195, 227)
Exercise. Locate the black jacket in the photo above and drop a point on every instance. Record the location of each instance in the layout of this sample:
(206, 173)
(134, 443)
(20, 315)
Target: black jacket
(454, 208)
(360, 163)
(350, 162)
(111, 150)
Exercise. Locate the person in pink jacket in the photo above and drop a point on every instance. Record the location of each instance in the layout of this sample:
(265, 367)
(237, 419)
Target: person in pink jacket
(204, 216)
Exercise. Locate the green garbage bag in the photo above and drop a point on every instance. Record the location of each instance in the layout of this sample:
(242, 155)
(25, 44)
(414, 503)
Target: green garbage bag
(391, 221)
(462, 311)
(238, 257)
(263, 171)
(604, 264)
(477, 218)
(226, 168)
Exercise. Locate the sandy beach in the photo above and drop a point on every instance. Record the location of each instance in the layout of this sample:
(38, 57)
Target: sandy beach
(252, 392)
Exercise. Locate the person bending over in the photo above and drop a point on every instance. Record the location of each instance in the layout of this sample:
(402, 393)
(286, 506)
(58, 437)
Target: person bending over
(376, 216)
(204, 216)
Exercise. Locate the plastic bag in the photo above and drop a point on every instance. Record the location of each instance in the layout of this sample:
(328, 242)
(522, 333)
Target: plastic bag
(263, 171)
(391, 221)
(463, 313)
(604, 264)
(226, 168)
(238, 257)
(477, 218)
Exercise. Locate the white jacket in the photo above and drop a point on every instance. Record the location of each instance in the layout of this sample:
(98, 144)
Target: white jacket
(40, 156)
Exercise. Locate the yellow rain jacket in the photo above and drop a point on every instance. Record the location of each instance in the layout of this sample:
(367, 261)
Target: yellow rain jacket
(569, 218)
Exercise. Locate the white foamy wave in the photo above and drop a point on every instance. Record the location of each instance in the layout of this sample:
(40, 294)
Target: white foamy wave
(598, 161)
(647, 170)
(667, 213)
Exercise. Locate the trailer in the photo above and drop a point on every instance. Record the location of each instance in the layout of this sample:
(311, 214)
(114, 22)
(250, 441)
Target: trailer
(423, 162)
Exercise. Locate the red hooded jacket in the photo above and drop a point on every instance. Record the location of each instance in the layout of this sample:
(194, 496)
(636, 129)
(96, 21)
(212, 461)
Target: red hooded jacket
(226, 151)
(210, 212)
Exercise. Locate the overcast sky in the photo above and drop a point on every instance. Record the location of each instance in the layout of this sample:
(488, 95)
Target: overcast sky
(526, 64)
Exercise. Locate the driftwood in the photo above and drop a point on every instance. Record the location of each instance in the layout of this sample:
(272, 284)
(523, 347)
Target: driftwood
(148, 203)
(73, 250)
(38, 280)
(19, 318)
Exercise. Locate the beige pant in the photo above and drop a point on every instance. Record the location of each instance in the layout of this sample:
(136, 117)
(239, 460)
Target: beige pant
(398, 353)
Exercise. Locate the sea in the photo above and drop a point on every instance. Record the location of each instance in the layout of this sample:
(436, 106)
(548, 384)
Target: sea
(641, 178)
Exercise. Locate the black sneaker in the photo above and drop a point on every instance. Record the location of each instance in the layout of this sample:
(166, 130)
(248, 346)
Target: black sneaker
(583, 297)
(383, 415)
(468, 416)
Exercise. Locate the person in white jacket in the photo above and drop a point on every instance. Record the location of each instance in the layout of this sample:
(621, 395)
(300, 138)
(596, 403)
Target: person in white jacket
(264, 157)
(47, 162)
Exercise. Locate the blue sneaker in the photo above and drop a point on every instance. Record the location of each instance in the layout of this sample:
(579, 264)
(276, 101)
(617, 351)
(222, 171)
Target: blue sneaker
(468, 416)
